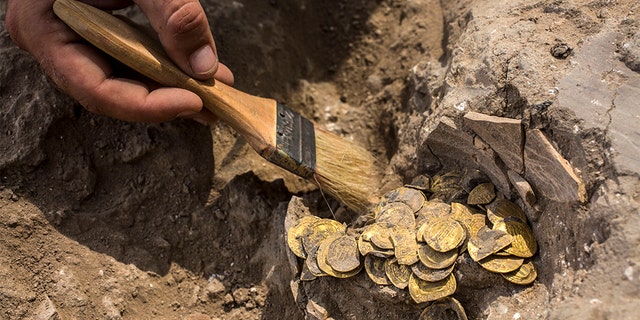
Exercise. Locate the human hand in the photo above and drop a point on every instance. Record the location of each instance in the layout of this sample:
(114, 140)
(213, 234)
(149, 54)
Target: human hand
(85, 74)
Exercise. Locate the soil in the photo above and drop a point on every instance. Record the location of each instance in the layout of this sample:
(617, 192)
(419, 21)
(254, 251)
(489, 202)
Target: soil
(103, 219)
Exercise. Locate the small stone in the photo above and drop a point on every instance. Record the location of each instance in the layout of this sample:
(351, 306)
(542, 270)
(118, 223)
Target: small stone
(228, 299)
(215, 288)
(316, 312)
(504, 135)
(46, 310)
(549, 173)
(560, 51)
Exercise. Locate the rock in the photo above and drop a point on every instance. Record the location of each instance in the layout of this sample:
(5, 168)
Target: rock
(504, 135)
(214, 289)
(604, 92)
(549, 173)
(46, 310)
(454, 146)
(316, 312)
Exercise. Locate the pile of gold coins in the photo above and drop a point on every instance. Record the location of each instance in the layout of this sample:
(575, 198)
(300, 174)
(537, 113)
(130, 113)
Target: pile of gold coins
(415, 237)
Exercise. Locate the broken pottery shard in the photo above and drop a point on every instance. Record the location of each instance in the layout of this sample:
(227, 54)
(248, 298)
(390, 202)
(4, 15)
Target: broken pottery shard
(504, 136)
(522, 187)
(450, 144)
(549, 173)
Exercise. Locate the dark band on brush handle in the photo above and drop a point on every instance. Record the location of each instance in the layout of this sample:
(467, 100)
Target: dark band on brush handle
(295, 143)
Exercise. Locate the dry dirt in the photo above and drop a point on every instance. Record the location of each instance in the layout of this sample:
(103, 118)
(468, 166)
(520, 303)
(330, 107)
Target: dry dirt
(101, 219)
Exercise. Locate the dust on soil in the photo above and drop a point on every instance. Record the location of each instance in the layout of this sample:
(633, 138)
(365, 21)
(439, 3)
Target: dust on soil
(105, 219)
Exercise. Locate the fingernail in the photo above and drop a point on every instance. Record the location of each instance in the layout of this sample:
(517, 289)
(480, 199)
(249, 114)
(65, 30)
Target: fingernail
(203, 60)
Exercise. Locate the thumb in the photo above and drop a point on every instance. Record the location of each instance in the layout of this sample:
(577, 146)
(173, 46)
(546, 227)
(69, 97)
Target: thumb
(184, 33)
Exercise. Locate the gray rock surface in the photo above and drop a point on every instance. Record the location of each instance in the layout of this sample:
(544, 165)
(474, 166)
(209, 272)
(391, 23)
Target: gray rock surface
(604, 92)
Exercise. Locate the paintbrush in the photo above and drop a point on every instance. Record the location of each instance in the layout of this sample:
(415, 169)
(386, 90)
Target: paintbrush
(341, 169)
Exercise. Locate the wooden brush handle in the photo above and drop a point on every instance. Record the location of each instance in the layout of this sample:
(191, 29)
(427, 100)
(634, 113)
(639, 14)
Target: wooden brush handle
(253, 117)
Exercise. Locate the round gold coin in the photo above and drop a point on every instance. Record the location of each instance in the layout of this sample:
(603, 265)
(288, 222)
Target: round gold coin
(443, 234)
(425, 291)
(323, 253)
(503, 208)
(524, 275)
(382, 237)
(295, 234)
(482, 194)
(398, 274)
(432, 275)
(524, 244)
(461, 212)
(447, 187)
(318, 231)
(405, 245)
(436, 259)
(374, 266)
(412, 197)
(397, 214)
(432, 209)
(446, 308)
(343, 255)
(501, 264)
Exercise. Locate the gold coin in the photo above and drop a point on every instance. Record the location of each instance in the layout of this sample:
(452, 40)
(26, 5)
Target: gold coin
(397, 214)
(382, 237)
(425, 291)
(524, 244)
(428, 274)
(482, 194)
(413, 198)
(472, 224)
(295, 234)
(443, 234)
(318, 231)
(501, 264)
(398, 274)
(421, 182)
(374, 266)
(436, 259)
(366, 248)
(524, 275)
(503, 208)
(487, 242)
(446, 308)
(461, 212)
(447, 187)
(405, 245)
(432, 209)
(343, 255)
(323, 253)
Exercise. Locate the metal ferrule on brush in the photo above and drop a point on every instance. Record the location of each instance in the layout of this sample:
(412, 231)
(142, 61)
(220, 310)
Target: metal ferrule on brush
(295, 143)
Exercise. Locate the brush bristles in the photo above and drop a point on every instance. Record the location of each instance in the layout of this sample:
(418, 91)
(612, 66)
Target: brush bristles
(347, 172)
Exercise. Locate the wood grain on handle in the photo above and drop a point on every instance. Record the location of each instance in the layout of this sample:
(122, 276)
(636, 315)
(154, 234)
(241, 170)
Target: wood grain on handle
(253, 117)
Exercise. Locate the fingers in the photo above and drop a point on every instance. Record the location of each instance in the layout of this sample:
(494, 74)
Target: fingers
(184, 32)
(84, 74)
